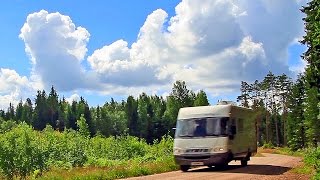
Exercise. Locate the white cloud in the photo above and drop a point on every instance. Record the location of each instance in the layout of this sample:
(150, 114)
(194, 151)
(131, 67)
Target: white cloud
(56, 48)
(73, 97)
(205, 28)
(118, 64)
(14, 87)
(212, 45)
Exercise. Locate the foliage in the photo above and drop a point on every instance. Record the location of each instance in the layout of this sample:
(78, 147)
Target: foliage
(201, 99)
(148, 117)
(268, 146)
(312, 71)
(26, 152)
(269, 98)
(312, 157)
(83, 127)
(296, 122)
(21, 152)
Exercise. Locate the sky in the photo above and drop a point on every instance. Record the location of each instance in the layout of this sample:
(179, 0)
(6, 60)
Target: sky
(117, 48)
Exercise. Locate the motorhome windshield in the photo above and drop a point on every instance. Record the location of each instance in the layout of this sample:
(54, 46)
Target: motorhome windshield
(200, 127)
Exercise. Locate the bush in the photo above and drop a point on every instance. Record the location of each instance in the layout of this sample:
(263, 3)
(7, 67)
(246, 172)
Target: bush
(26, 152)
(21, 153)
(268, 145)
(312, 158)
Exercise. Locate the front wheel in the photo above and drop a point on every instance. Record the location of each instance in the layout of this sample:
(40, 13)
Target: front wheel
(222, 166)
(184, 168)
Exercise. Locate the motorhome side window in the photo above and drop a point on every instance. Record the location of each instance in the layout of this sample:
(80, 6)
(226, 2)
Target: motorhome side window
(240, 125)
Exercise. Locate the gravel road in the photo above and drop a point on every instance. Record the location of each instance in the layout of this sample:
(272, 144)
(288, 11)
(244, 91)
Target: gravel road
(271, 166)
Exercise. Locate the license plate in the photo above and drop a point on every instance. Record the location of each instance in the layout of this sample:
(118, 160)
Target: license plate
(197, 163)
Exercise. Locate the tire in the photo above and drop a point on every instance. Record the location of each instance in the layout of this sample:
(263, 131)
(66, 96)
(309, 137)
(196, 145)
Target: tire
(184, 168)
(222, 166)
(244, 162)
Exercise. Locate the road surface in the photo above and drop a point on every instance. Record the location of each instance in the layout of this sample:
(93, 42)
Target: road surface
(271, 166)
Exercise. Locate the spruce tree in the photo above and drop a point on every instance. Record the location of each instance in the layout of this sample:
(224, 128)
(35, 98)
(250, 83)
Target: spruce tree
(201, 99)
(312, 72)
(295, 126)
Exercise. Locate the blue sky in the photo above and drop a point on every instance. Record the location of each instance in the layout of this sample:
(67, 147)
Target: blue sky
(104, 49)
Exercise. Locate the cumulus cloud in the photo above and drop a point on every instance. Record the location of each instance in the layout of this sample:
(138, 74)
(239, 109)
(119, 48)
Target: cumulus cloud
(73, 97)
(276, 24)
(14, 87)
(118, 64)
(211, 45)
(56, 48)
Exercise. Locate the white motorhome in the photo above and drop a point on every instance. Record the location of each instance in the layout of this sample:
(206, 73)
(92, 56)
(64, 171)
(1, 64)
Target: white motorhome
(214, 135)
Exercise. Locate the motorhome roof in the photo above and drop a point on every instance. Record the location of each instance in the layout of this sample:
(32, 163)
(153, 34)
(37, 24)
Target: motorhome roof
(205, 111)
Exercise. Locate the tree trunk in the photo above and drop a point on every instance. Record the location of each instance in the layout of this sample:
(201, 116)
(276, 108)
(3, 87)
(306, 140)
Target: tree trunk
(267, 127)
(277, 131)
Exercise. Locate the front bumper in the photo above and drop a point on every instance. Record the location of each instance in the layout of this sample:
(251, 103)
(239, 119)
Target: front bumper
(203, 159)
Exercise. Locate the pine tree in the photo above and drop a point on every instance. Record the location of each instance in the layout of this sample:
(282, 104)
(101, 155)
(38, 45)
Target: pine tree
(295, 125)
(10, 114)
(201, 99)
(312, 72)
(178, 98)
(19, 111)
(132, 115)
(244, 97)
(40, 118)
(27, 111)
(53, 108)
(72, 116)
(143, 116)
(158, 125)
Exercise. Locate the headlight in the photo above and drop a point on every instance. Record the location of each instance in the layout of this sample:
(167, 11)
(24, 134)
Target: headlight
(218, 149)
(177, 151)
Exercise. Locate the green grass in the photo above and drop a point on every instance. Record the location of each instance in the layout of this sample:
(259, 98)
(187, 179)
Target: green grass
(303, 169)
(129, 168)
(311, 159)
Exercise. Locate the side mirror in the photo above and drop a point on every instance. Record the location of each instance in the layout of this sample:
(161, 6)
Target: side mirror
(232, 132)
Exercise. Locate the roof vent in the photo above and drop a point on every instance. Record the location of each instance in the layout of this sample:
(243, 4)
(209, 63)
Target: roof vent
(226, 103)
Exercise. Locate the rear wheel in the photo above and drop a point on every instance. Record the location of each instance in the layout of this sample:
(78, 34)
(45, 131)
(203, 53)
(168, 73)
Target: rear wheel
(244, 162)
(184, 168)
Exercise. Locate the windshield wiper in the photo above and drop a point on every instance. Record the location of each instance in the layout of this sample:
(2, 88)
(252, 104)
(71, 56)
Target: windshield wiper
(213, 135)
(186, 136)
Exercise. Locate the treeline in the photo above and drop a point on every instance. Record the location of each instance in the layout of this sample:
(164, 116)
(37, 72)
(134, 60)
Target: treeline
(289, 112)
(269, 99)
(286, 113)
(148, 117)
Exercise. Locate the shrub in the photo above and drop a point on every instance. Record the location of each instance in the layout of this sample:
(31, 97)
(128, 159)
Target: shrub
(20, 152)
(268, 145)
(25, 152)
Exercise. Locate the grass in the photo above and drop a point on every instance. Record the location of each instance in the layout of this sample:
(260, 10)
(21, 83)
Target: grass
(303, 168)
(281, 150)
(130, 168)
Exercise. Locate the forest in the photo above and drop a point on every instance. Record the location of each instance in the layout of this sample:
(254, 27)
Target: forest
(287, 112)
(147, 117)
(48, 131)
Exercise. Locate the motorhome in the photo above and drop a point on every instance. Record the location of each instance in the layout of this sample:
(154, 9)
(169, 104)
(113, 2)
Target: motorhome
(214, 135)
